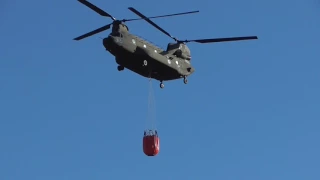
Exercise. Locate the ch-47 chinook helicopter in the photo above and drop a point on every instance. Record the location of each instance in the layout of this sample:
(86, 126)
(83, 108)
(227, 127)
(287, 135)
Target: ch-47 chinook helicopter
(144, 58)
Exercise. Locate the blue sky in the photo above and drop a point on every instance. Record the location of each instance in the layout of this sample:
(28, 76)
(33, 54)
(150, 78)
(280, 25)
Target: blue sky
(250, 111)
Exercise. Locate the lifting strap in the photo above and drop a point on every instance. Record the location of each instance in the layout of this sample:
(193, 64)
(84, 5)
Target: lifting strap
(151, 114)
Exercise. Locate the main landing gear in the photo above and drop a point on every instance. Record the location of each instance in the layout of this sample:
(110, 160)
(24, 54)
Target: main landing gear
(185, 80)
(120, 68)
(161, 85)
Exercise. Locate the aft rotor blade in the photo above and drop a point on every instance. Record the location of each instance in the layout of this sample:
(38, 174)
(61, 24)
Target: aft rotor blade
(222, 39)
(153, 17)
(103, 28)
(149, 21)
(96, 9)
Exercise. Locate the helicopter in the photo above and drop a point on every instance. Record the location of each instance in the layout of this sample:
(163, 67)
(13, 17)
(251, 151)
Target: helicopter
(145, 58)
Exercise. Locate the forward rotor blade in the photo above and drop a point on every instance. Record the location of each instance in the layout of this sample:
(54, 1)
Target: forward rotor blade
(222, 39)
(153, 17)
(149, 21)
(103, 28)
(96, 9)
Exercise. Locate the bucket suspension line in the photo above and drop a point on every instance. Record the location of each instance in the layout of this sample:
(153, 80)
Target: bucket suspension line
(151, 114)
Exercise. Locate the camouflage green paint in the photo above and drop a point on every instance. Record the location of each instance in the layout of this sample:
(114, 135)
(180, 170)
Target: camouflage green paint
(131, 51)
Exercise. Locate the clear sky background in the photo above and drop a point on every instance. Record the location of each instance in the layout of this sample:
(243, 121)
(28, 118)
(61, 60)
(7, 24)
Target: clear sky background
(251, 111)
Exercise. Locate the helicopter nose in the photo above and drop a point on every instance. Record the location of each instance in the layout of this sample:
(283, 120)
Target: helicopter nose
(107, 42)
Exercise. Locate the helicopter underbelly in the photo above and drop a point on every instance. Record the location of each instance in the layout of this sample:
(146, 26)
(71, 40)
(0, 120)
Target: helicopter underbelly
(159, 70)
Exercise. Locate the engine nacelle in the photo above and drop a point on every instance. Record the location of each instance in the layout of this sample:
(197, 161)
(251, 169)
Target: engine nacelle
(118, 26)
(182, 55)
(180, 50)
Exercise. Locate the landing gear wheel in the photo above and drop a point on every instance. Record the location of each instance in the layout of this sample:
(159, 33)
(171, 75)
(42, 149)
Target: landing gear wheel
(145, 63)
(120, 68)
(161, 85)
(185, 80)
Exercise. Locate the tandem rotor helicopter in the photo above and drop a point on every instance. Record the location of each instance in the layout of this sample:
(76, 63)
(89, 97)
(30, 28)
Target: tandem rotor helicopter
(144, 58)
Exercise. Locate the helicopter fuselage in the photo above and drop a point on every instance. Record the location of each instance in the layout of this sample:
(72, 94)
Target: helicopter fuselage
(144, 58)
